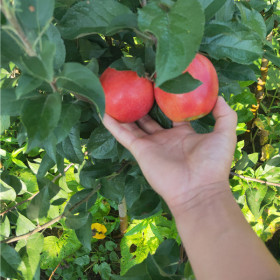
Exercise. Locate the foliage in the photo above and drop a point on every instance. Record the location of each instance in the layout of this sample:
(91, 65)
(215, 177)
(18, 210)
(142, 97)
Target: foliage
(62, 171)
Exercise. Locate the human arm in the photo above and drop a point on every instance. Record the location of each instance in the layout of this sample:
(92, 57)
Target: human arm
(190, 171)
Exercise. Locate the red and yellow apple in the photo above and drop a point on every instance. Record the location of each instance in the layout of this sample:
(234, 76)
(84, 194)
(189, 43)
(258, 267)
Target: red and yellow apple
(194, 104)
(128, 97)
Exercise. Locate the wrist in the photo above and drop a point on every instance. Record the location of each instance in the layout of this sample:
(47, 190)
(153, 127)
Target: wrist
(198, 200)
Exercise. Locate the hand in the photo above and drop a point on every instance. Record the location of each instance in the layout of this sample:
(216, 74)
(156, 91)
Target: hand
(179, 163)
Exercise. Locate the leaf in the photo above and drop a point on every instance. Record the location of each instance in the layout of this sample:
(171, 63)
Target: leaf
(6, 192)
(27, 84)
(233, 41)
(56, 249)
(130, 63)
(113, 188)
(4, 123)
(4, 227)
(273, 79)
(40, 115)
(10, 106)
(70, 115)
(273, 58)
(46, 164)
(211, 7)
(34, 14)
(181, 84)
(78, 79)
(70, 147)
(84, 233)
(24, 225)
(253, 19)
(76, 221)
(254, 198)
(147, 205)
(10, 262)
(95, 17)
(53, 35)
(101, 144)
(178, 29)
(40, 204)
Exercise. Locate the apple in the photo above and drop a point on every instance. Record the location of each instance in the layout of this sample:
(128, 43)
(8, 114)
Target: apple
(194, 104)
(128, 97)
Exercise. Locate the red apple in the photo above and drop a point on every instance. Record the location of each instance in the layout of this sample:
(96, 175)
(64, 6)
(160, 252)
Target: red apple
(127, 96)
(194, 104)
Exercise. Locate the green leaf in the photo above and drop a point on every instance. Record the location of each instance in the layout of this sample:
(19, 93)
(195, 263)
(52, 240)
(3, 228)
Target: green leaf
(41, 67)
(188, 272)
(101, 144)
(233, 41)
(40, 204)
(4, 123)
(147, 205)
(178, 29)
(53, 35)
(40, 115)
(253, 19)
(70, 147)
(12, 181)
(226, 12)
(235, 71)
(6, 192)
(4, 227)
(34, 14)
(273, 58)
(76, 221)
(130, 63)
(78, 79)
(181, 84)
(70, 115)
(24, 225)
(211, 7)
(10, 262)
(46, 164)
(273, 79)
(113, 188)
(84, 233)
(101, 16)
(56, 249)
(27, 84)
(254, 198)
(10, 106)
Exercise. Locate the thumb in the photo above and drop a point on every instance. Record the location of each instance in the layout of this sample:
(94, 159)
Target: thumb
(226, 118)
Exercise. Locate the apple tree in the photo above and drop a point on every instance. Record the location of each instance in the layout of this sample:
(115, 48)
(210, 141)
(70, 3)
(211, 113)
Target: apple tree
(74, 202)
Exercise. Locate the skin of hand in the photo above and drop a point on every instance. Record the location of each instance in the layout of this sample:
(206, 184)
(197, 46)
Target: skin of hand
(179, 163)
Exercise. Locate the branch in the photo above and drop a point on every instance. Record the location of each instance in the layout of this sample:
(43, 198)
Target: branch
(255, 180)
(46, 225)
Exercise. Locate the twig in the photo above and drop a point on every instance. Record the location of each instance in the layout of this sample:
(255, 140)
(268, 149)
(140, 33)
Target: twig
(46, 225)
(60, 174)
(255, 180)
(54, 271)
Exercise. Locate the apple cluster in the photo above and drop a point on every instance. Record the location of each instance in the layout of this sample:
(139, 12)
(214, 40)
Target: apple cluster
(129, 97)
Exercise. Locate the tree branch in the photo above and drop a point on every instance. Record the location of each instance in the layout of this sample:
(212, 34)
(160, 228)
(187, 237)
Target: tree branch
(255, 180)
(46, 225)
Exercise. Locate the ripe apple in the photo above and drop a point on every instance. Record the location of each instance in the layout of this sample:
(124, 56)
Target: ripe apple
(127, 96)
(194, 104)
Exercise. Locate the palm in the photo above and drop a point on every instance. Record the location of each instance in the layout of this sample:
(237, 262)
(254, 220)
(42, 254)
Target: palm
(178, 162)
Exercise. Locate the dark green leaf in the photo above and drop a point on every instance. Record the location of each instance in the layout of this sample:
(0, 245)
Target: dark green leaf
(74, 202)
(211, 7)
(78, 79)
(12, 181)
(70, 147)
(226, 12)
(181, 84)
(101, 144)
(9, 104)
(40, 115)
(178, 30)
(113, 188)
(24, 225)
(76, 221)
(40, 204)
(233, 41)
(147, 205)
(70, 114)
(273, 58)
(27, 84)
(46, 164)
(6, 192)
(4, 123)
(10, 262)
(130, 63)
(84, 233)
(95, 17)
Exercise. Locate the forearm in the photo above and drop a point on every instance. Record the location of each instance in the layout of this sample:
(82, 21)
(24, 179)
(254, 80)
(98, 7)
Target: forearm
(220, 243)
